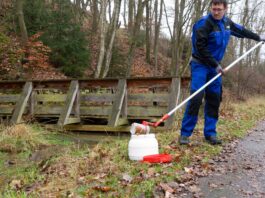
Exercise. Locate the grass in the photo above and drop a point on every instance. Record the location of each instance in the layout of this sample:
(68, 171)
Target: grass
(20, 138)
(100, 171)
(17, 143)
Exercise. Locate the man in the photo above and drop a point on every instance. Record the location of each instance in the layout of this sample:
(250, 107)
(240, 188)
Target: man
(209, 41)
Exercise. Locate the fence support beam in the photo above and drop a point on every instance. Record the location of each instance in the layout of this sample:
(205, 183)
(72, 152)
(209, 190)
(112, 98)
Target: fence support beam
(117, 105)
(69, 102)
(21, 103)
(173, 99)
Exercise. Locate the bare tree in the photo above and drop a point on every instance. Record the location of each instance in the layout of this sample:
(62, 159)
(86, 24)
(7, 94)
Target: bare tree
(111, 35)
(95, 16)
(134, 35)
(177, 33)
(158, 17)
(241, 49)
(148, 32)
(102, 37)
(194, 10)
(22, 25)
(130, 15)
(124, 12)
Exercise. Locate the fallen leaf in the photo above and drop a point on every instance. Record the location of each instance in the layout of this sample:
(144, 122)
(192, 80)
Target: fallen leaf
(194, 189)
(16, 184)
(81, 180)
(168, 194)
(100, 176)
(177, 157)
(102, 188)
(205, 165)
(127, 178)
(151, 172)
(188, 170)
(166, 188)
(213, 185)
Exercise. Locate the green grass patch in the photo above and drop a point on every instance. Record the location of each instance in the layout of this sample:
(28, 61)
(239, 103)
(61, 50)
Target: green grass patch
(20, 138)
(100, 171)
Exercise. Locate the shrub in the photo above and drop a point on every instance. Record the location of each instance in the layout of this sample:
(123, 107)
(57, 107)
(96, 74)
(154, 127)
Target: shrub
(61, 33)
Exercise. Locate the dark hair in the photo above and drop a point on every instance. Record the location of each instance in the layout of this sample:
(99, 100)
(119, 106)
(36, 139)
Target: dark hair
(224, 2)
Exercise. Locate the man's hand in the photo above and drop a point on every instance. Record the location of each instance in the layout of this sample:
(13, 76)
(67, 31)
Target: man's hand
(262, 37)
(219, 69)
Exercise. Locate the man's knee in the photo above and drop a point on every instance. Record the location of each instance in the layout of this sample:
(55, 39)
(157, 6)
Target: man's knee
(213, 103)
(195, 103)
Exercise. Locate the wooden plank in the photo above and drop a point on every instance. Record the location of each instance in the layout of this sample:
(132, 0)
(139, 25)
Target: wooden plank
(97, 97)
(77, 104)
(73, 120)
(71, 95)
(14, 85)
(9, 98)
(105, 128)
(172, 102)
(62, 83)
(6, 110)
(124, 107)
(149, 82)
(50, 97)
(22, 102)
(48, 110)
(138, 111)
(32, 102)
(116, 109)
(48, 84)
(97, 111)
(84, 111)
(97, 83)
(122, 122)
(149, 97)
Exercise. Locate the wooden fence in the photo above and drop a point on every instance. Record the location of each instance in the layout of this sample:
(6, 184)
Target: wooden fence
(91, 104)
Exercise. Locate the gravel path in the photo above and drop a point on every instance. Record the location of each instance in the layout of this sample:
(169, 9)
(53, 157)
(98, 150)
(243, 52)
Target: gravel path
(241, 173)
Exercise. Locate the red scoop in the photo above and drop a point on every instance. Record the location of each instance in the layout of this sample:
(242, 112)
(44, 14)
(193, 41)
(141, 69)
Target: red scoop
(157, 158)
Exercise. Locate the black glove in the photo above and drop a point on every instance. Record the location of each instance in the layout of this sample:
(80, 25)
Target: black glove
(219, 69)
(262, 37)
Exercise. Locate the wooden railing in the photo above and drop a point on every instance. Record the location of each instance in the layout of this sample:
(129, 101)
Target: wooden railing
(72, 102)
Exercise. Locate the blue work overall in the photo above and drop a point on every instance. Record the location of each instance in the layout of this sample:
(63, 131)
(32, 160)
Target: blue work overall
(212, 94)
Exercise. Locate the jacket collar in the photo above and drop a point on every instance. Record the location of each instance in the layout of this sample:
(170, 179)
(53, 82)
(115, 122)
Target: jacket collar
(224, 19)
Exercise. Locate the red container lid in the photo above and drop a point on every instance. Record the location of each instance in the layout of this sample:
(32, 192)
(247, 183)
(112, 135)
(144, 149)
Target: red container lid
(157, 158)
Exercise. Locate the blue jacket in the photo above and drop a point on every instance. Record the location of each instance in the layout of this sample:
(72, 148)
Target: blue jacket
(210, 38)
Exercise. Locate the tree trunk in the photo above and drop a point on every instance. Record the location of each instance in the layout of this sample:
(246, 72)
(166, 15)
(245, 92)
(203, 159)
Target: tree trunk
(102, 37)
(135, 33)
(109, 9)
(130, 15)
(95, 15)
(124, 13)
(241, 50)
(112, 33)
(191, 16)
(168, 26)
(158, 17)
(148, 31)
(22, 25)
(174, 50)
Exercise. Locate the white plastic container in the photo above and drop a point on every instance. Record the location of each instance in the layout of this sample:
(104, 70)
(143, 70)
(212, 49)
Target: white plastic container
(142, 145)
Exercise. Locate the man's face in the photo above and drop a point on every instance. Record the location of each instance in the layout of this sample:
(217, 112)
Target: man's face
(218, 11)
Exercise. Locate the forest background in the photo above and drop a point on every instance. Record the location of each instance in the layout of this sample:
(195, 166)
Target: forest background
(44, 39)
